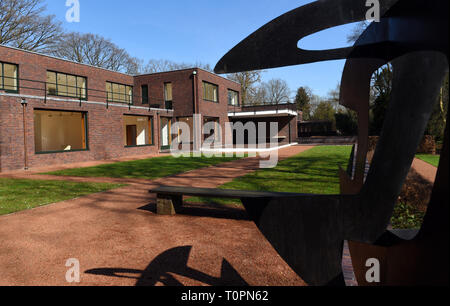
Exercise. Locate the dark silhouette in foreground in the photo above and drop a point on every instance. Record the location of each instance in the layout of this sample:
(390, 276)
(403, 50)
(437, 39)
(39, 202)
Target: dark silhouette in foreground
(174, 261)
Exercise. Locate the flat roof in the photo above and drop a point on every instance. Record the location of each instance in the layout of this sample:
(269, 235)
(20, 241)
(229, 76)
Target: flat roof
(262, 114)
(187, 69)
(131, 75)
(63, 59)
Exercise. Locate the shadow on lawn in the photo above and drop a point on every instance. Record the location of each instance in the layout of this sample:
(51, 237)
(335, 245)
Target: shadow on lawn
(174, 261)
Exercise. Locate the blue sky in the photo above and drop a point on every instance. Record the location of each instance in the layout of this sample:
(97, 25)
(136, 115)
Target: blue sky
(193, 31)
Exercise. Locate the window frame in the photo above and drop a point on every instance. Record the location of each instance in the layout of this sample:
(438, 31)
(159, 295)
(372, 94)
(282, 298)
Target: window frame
(238, 97)
(151, 133)
(179, 119)
(147, 98)
(168, 104)
(204, 91)
(85, 98)
(2, 87)
(86, 131)
(218, 136)
(111, 100)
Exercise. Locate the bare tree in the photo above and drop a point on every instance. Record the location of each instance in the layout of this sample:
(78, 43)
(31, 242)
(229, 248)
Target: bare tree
(163, 65)
(357, 31)
(154, 66)
(23, 25)
(96, 51)
(334, 98)
(278, 91)
(249, 81)
(258, 95)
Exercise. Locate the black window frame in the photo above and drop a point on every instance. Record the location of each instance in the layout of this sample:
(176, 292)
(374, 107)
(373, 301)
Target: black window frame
(152, 132)
(238, 97)
(112, 92)
(2, 87)
(168, 104)
(76, 87)
(86, 131)
(204, 92)
(145, 97)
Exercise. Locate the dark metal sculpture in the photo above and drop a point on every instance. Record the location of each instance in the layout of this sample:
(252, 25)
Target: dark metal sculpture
(308, 231)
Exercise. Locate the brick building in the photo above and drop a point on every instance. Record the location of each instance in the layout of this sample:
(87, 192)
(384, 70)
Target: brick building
(54, 111)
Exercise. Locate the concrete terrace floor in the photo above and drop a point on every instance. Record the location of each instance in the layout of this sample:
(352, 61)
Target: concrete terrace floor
(119, 240)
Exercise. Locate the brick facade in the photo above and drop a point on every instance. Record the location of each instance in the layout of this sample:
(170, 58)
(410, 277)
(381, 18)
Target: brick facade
(105, 120)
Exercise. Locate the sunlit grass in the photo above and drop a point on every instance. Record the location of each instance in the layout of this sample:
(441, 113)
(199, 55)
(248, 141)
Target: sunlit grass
(17, 195)
(152, 168)
(315, 171)
(430, 159)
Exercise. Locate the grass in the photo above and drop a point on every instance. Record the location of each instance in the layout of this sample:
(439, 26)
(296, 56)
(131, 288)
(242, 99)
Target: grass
(314, 171)
(145, 169)
(17, 194)
(431, 159)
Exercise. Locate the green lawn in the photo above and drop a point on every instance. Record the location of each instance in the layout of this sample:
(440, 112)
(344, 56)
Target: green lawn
(315, 171)
(152, 168)
(431, 159)
(18, 195)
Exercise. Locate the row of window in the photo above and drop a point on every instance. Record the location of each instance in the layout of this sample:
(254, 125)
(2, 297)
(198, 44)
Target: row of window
(67, 85)
(64, 131)
(210, 93)
(64, 84)
(61, 84)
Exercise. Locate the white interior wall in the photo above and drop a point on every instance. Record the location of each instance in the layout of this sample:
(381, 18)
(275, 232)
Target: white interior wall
(141, 126)
(58, 131)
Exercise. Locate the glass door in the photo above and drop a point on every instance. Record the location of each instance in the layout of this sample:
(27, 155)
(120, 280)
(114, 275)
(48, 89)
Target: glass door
(166, 140)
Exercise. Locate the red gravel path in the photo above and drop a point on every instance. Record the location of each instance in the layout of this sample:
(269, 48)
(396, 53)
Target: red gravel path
(116, 235)
(425, 170)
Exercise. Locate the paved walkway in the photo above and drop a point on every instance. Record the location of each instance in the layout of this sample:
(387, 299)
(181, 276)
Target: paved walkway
(119, 240)
(425, 170)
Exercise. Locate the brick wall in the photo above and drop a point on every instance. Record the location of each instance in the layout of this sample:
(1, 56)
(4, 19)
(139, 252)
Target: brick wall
(186, 86)
(34, 67)
(105, 125)
(105, 133)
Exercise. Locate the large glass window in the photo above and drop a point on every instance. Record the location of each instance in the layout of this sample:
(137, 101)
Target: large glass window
(212, 129)
(210, 92)
(119, 93)
(67, 85)
(138, 131)
(233, 98)
(8, 77)
(59, 131)
(186, 137)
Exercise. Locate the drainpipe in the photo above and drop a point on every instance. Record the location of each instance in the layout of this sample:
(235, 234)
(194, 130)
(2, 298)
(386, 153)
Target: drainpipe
(25, 149)
(194, 77)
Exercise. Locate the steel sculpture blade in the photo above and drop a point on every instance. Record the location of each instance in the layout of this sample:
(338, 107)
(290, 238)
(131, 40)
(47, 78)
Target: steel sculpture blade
(308, 231)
